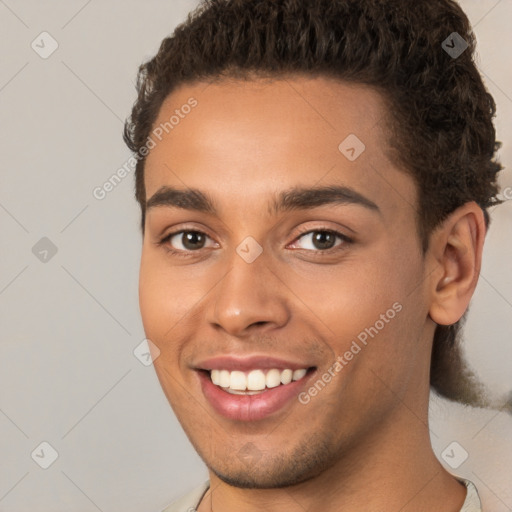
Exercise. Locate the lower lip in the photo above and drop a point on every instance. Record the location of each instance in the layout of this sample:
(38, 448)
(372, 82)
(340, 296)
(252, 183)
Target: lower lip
(250, 407)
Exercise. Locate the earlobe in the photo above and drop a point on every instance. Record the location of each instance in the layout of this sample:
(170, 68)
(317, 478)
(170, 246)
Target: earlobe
(456, 250)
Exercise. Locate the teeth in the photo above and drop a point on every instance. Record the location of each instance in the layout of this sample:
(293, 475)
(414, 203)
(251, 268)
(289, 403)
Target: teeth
(224, 379)
(238, 382)
(255, 381)
(273, 378)
(298, 374)
(286, 376)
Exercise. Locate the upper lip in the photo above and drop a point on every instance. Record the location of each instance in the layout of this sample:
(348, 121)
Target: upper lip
(231, 363)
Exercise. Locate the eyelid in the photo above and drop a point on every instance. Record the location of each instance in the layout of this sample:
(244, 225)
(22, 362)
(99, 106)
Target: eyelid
(302, 232)
(306, 231)
(165, 239)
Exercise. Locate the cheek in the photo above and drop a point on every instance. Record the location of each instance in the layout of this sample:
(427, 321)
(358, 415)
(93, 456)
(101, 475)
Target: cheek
(371, 297)
(350, 296)
(151, 297)
(384, 313)
(168, 299)
(159, 299)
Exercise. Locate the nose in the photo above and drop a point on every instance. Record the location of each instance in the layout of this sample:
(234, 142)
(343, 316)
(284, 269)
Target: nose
(249, 297)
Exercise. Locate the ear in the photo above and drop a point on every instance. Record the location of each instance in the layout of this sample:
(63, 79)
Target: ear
(455, 253)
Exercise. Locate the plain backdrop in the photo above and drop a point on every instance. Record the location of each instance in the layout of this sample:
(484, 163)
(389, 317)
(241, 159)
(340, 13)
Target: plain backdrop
(69, 271)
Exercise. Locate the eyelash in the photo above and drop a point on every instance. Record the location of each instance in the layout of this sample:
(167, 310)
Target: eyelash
(185, 254)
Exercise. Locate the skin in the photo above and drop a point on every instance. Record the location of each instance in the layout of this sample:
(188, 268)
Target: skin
(362, 443)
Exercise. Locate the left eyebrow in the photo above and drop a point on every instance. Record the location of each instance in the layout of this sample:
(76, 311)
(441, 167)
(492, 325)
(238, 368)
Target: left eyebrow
(296, 198)
(299, 198)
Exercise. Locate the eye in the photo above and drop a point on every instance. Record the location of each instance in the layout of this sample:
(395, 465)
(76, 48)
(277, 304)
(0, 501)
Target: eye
(184, 241)
(323, 240)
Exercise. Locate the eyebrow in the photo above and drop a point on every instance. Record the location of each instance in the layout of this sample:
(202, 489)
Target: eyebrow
(296, 198)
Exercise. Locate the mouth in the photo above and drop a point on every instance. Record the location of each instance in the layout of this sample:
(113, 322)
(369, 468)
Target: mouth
(252, 395)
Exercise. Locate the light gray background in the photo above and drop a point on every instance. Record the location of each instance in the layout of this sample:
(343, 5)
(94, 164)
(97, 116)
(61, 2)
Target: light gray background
(68, 374)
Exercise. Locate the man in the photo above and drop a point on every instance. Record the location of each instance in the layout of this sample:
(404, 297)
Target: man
(314, 178)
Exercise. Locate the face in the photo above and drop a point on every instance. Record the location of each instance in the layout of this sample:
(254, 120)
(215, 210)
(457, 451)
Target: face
(252, 278)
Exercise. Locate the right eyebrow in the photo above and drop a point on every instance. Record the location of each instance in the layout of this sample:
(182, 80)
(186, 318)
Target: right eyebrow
(188, 199)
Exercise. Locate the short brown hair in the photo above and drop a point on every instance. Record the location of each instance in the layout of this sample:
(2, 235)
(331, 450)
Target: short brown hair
(439, 111)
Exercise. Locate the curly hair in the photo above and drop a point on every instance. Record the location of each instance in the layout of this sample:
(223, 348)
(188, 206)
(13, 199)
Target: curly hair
(439, 113)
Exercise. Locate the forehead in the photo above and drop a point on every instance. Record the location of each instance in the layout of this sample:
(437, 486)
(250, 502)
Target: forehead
(261, 136)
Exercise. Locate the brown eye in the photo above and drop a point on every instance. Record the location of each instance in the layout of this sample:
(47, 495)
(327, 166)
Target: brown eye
(192, 240)
(186, 240)
(323, 240)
